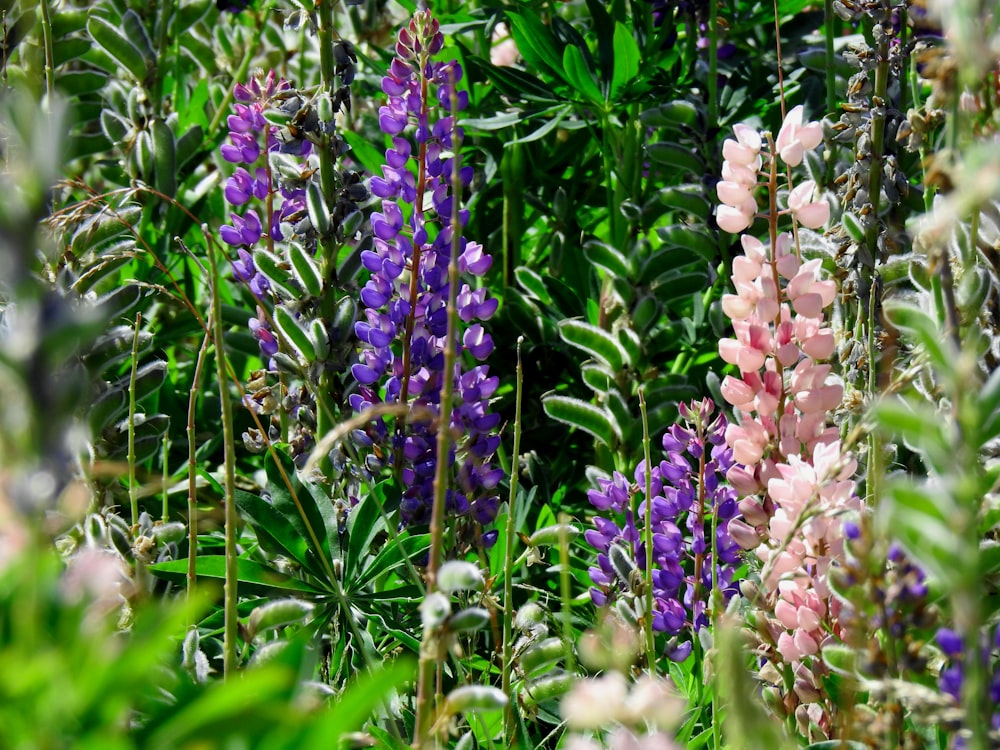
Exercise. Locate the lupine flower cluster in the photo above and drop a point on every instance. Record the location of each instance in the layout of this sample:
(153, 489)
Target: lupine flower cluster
(793, 477)
(405, 317)
(742, 165)
(952, 675)
(253, 180)
(688, 493)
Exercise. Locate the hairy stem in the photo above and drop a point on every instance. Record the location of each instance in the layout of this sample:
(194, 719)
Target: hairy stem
(510, 729)
(230, 653)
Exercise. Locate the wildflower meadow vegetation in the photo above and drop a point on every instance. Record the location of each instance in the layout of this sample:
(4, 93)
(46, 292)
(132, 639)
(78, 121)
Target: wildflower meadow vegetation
(542, 374)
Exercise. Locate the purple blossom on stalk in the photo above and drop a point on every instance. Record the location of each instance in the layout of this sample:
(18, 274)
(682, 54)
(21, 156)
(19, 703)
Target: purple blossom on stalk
(252, 180)
(952, 676)
(404, 328)
(687, 489)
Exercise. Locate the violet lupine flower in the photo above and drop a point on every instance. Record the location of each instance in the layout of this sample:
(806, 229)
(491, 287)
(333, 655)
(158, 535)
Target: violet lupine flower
(252, 181)
(687, 488)
(408, 288)
(952, 675)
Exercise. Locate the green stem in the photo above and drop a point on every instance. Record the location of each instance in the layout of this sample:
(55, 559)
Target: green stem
(510, 728)
(878, 145)
(133, 488)
(161, 48)
(325, 35)
(713, 65)
(565, 594)
(192, 500)
(164, 460)
(241, 72)
(230, 653)
(648, 541)
(428, 647)
(50, 85)
(831, 74)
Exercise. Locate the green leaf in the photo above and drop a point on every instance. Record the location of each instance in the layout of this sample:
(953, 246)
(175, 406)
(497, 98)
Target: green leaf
(693, 240)
(118, 46)
(595, 341)
(535, 41)
(254, 579)
(921, 520)
(988, 407)
(299, 505)
(684, 160)
(689, 199)
(921, 329)
(363, 524)
(584, 416)
(394, 555)
(678, 115)
(546, 127)
(626, 60)
(579, 75)
(920, 427)
(517, 84)
(275, 532)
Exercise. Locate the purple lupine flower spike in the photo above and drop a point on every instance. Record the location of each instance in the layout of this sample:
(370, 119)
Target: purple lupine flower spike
(686, 491)
(412, 240)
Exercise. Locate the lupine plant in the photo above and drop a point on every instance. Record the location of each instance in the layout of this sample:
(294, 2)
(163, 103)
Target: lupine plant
(574, 375)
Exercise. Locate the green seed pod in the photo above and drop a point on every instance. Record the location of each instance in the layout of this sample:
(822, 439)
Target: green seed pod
(552, 685)
(169, 532)
(853, 227)
(458, 575)
(95, 531)
(529, 617)
(343, 319)
(468, 620)
(475, 698)
(143, 154)
(542, 654)
(551, 534)
(277, 614)
(434, 610)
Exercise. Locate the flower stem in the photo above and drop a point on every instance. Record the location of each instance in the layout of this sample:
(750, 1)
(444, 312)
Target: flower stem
(192, 502)
(230, 614)
(510, 728)
(648, 541)
(133, 489)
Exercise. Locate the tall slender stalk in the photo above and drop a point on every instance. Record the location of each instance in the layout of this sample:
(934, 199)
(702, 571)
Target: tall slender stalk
(50, 83)
(510, 729)
(230, 615)
(133, 488)
(565, 594)
(429, 646)
(192, 499)
(648, 541)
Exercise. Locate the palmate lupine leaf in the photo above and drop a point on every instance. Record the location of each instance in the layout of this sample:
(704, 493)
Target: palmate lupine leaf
(626, 60)
(254, 578)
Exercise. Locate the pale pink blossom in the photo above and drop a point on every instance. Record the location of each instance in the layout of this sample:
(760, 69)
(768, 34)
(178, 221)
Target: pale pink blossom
(794, 138)
(811, 214)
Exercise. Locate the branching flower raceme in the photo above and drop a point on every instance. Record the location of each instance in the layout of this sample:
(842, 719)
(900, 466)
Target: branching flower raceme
(791, 473)
(405, 318)
(689, 499)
